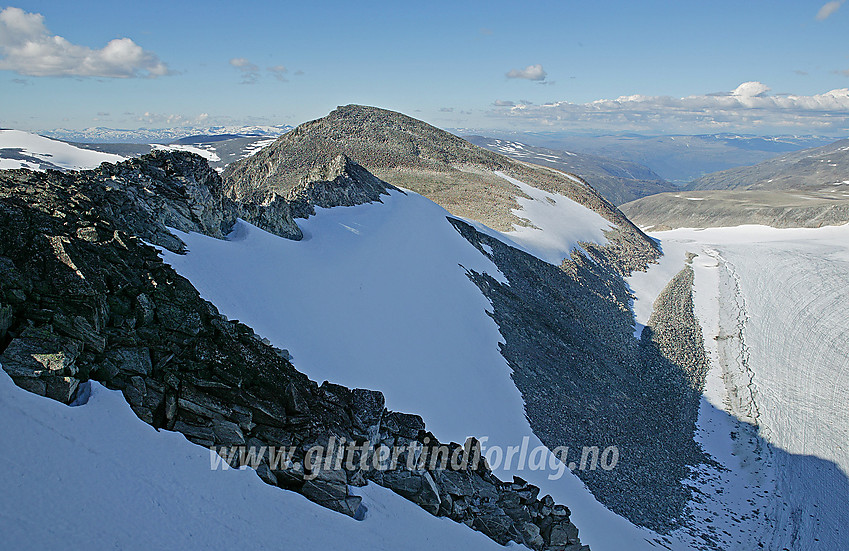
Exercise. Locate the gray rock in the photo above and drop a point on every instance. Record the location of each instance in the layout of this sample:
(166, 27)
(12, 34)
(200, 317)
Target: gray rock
(417, 486)
(135, 391)
(327, 484)
(133, 360)
(563, 534)
(61, 389)
(5, 319)
(340, 182)
(368, 406)
(266, 474)
(201, 435)
(34, 385)
(38, 353)
(144, 310)
(273, 214)
(294, 400)
(404, 424)
(80, 329)
(227, 432)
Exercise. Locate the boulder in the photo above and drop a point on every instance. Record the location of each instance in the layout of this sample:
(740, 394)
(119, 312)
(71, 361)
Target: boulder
(133, 360)
(38, 353)
(227, 432)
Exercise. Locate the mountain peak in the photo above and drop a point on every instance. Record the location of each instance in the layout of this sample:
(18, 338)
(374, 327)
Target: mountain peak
(466, 180)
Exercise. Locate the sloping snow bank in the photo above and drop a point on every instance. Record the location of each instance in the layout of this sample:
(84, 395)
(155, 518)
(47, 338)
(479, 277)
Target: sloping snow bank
(96, 477)
(58, 153)
(559, 224)
(376, 296)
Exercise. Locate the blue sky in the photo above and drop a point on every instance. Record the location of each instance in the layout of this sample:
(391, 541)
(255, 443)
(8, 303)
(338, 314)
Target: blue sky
(653, 67)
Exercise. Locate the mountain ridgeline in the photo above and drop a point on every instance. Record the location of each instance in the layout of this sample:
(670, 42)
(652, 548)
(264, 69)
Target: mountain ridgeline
(448, 170)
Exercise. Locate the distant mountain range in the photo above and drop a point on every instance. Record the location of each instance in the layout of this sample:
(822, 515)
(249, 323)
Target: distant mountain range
(101, 134)
(678, 158)
(808, 188)
(618, 181)
(815, 168)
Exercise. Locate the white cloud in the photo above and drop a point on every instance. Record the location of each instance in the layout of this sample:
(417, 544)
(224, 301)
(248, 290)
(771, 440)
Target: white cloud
(28, 48)
(503, 103)
(531, 72)
(828, 9)
(250, 72)
(752, 89)
(279, 72)
(748, 107)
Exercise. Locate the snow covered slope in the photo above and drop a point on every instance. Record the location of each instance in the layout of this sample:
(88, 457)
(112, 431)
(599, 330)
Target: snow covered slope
(558, 224)
(205, 151)
(20, 149)
(772, 306)
(96, 477)
(376, 296)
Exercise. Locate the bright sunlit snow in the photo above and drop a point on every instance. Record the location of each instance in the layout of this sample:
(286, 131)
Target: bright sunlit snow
(558, 224)
(58, 153)
(207, 152)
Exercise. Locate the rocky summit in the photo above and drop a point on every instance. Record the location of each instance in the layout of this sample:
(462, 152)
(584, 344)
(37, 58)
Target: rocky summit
(85, 296)
(411, 154)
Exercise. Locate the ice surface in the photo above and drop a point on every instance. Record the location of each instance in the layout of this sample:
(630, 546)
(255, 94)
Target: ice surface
(772, 306)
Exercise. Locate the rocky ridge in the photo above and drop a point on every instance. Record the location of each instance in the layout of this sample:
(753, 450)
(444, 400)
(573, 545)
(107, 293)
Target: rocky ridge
(338, 183)
(84, 297)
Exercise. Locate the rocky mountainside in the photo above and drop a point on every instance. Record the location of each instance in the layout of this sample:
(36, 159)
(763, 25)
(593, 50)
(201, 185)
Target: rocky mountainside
(618, 181)
(726, 208)
(411, 154)
(84, 296)
(338, 183)
(569, 339)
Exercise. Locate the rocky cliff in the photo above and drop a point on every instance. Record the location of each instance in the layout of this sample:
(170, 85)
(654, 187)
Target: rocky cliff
(337, 183)
(83, 296)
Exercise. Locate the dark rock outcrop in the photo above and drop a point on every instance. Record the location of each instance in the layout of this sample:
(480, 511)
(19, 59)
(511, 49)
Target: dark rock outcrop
(82, 297)
(339, 183)
(167, 189)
